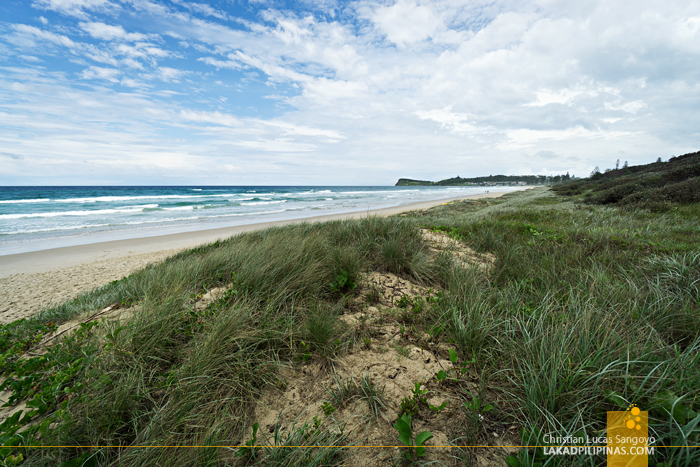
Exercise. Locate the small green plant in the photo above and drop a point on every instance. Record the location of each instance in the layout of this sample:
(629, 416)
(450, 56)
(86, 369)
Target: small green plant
(307, 445)
(343, 283)
(417, 305)
(305, 352)
(327, 408)
(373, 394)
(436, 330)
(411, 405)
(415, 446)
(403, 302)
(368, 342)
(401, 350)
(250, 449)
(476, 409)
(438, 408)
(451, 232)
(437, 298)
(346, 390)
(458, 370)
(374, 295)
(282, 384)
(402, 330)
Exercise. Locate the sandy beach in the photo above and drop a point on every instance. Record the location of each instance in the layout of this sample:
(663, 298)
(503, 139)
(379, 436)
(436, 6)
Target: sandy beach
(35, 280)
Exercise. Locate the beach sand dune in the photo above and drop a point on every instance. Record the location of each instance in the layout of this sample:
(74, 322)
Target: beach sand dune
(36, 280)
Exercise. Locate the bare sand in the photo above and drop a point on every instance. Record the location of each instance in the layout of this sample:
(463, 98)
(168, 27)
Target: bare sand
(35, 280)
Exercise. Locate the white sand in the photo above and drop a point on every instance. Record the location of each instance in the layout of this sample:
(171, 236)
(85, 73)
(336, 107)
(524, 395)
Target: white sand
(35, 280)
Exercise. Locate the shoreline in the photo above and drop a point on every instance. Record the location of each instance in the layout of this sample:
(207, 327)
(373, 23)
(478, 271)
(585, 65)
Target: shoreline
(34, 280)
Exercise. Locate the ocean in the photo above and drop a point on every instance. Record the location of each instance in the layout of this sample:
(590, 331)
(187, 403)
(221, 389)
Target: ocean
(36, 218)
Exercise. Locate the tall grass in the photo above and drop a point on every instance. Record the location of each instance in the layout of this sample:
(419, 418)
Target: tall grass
(180, 376)
(584, 311)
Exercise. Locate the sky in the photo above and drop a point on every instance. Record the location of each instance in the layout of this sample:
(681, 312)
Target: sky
(324, 92)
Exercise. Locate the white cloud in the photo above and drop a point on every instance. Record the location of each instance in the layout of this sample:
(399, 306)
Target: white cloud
(30, 58)
(456, 122)
(108, 33)
(629, 107)
(277, 145)
(28, 35)
(291, 129)
(562, 96)
(219, 64)
(75, 8)
(522, 138)
(202, 8)
(96, 72)
(170, 74)
(406, 22)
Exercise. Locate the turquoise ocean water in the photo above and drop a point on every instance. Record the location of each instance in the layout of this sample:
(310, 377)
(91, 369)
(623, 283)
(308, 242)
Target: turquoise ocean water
(35, 218)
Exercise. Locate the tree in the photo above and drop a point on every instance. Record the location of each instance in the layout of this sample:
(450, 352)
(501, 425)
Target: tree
(624, 166)
(617, 164)
(658, 160)
(596, 171)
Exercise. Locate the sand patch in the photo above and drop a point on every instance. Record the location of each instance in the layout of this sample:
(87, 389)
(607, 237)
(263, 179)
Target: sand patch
(440, 241)
(394, 357)
(22, 295)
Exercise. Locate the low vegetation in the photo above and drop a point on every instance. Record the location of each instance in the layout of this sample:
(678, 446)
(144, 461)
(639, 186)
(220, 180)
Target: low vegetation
(659, 186)
(585, 309)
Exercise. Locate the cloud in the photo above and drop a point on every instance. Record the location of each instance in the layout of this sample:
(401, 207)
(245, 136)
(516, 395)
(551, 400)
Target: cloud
(96, 72)
(291, 129)
(77, 8)
(28, 35)
(405, 22)
(219, 64)
(629, 107)
(12, 156)
(455, 122)
(386, 85)
(170, 75)
(30, 58)
(547, 155)
(108, 33)
(202, 8)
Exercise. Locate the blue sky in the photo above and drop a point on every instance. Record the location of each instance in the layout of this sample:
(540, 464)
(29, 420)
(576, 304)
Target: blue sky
(239, 92)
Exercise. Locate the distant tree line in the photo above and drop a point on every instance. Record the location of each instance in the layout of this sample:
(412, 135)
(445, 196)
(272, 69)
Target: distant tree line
(490, 180)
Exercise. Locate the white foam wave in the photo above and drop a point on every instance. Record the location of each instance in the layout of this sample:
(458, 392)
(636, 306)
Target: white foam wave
(180, 208)
(256, 203)
(107, 199)
(71, 213)
(17, 201)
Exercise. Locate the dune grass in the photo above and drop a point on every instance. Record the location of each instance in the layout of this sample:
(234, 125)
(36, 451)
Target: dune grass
(586, 309)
